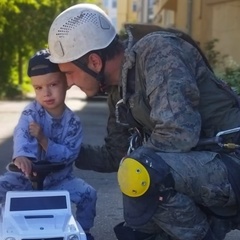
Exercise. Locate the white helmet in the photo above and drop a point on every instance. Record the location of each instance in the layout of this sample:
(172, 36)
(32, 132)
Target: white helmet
(78, 30)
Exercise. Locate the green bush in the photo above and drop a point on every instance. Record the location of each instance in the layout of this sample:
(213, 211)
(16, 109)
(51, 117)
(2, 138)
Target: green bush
(232, 77)
(223, 65)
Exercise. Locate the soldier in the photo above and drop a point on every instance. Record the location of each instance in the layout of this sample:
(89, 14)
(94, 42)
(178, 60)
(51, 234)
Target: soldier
(172, 122)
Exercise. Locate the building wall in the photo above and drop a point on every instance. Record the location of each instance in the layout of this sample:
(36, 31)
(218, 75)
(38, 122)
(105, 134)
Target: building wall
(126, 12)
(189, 18)
(204, 20)
(121, 13)
(164, 15)
(224, 23)
(181, 15)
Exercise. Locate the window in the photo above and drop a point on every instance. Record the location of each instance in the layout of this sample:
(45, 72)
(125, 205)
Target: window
(114, 4)
(134, 6)
(38, 203)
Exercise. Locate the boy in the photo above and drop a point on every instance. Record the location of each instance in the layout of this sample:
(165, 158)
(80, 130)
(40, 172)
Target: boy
(49, 130)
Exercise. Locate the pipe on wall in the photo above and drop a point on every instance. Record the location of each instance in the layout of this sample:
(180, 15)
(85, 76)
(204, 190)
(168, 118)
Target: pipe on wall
(189, 16)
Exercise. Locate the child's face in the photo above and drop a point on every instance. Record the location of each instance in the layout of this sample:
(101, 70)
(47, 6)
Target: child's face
(50, 91)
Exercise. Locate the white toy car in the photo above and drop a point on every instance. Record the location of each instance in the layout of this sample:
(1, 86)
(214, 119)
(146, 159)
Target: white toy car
(39, 215)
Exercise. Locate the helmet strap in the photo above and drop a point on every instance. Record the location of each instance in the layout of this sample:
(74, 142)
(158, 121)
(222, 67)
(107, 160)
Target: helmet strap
(85, 68)
(98, 76)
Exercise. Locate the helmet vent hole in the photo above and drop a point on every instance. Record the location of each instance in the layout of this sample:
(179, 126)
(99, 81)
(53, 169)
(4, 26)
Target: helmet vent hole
(71, 24)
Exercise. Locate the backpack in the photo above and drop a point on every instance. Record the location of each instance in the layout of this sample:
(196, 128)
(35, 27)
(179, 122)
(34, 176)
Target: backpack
(143, 122)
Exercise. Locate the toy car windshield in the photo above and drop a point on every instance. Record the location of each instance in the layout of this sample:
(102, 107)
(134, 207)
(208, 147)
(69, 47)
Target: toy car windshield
(38, 203)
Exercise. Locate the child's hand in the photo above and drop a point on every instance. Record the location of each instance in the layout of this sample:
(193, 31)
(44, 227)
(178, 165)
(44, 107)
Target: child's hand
(36, 131)
(24, 164)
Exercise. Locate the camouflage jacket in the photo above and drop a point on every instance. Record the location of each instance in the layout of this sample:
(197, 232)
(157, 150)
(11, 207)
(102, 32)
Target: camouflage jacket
(185, 100)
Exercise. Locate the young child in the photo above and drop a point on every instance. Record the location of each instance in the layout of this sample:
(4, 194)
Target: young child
(49, 130)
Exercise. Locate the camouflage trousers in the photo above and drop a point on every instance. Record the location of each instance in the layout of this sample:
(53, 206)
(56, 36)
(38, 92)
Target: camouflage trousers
(201, 182)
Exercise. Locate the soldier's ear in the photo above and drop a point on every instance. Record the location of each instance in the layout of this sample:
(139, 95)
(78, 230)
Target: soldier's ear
(95, 62)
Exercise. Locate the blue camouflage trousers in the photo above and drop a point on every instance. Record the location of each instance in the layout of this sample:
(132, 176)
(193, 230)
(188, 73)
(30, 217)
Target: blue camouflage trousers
(201, 182)
(81, 193)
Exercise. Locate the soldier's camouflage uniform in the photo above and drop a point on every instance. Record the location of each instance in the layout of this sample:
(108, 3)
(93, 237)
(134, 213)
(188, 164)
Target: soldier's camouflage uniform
(186, 101)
